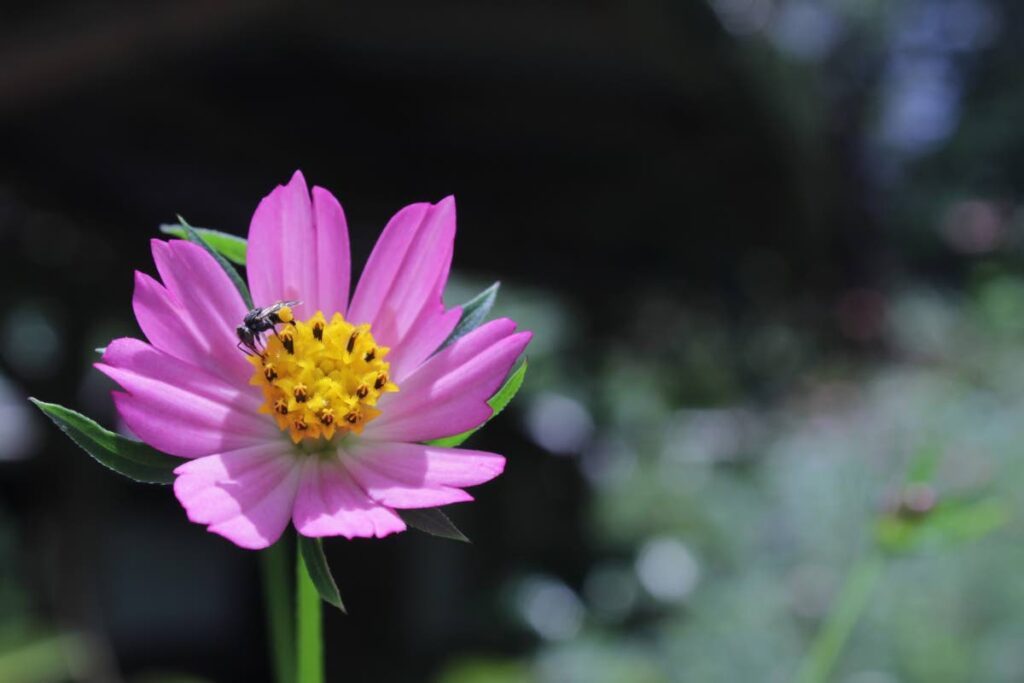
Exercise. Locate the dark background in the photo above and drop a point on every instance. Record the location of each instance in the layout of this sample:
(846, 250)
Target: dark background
(720, 204)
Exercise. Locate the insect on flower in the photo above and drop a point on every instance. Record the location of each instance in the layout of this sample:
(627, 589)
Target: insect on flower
(260, 320)
(326, 424)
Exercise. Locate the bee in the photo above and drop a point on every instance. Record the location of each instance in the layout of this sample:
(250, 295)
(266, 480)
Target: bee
(259, 320)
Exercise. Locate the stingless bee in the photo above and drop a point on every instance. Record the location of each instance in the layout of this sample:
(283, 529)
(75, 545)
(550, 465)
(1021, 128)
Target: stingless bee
(259, 320)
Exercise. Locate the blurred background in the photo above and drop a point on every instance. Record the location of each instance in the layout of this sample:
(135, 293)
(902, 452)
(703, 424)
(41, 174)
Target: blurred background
(771, 251)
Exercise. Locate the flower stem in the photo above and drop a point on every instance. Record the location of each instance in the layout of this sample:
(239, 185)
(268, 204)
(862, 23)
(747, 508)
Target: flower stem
(277, 600)
(842, 618)
(309, 633)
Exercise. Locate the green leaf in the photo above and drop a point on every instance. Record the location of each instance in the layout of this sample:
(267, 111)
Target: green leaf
(951, 522)
(924, 464)
(133, 459)
(192, 236)
(312, 550)
(474, 312)
(968, 520)
(231, 247)
(433, 522)
(498, 403)
(896, 534)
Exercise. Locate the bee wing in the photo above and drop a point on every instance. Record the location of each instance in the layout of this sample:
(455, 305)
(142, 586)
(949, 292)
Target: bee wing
(273, 308)
(258, 314)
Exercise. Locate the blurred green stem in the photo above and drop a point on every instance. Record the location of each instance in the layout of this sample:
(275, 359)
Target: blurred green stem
(277, 601)
(309, 643)
(842, 618)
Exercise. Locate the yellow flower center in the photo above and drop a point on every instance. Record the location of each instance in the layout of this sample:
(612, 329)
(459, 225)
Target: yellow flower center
(321, 378)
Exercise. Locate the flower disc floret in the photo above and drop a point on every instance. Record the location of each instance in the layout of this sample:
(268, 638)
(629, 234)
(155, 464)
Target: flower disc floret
(321, 378)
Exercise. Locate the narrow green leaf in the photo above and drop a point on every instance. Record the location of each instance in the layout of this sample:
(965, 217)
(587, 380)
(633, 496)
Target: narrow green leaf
(498, 403)
(192, 236)
(231, 247)
(510, 388)
(951, 522)
(312, 550)
(966, 520)
(474, 312)
(133, 459)
(433, 522)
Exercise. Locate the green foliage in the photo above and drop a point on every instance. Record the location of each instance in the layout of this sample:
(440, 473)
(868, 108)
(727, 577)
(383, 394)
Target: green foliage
(40, 657)
(950, 523)
(236, 279)
(478, 670)
(132, 459)
(433, 522)
(167, 677)
(498, 403)
(789, 505)
(231, 247)
(474, 313)
(312, 551)
(924, 464)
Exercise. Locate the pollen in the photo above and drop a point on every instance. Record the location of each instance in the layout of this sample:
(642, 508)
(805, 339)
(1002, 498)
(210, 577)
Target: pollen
(321, 378)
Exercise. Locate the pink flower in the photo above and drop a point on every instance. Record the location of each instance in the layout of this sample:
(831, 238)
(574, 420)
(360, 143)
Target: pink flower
(326, 428)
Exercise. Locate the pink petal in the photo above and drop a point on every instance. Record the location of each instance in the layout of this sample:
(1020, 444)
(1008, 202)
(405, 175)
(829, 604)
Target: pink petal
(170, 328)
(399, 292)
(281, 252)
(332, 254)
(245, 495)
(425, 336)
(298, 249)
(180, 408)
(199, 294)
(331, 503)
(448, 394)
(407, 475)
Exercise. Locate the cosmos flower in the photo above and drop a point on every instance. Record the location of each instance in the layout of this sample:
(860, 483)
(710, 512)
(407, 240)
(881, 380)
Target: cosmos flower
(325, 425)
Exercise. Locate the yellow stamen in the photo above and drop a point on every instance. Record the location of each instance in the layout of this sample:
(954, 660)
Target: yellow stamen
(321, 378)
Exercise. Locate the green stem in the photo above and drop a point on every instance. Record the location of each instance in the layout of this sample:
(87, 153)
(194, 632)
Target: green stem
(309, 641)
(842, 618)
(277, 601)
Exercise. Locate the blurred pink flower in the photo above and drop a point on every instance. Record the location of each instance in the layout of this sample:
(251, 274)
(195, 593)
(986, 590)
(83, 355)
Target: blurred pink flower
(326, 428)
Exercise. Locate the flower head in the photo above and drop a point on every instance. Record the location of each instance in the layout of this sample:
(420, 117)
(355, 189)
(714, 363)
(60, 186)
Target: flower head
(322, 379)
(325, 425)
